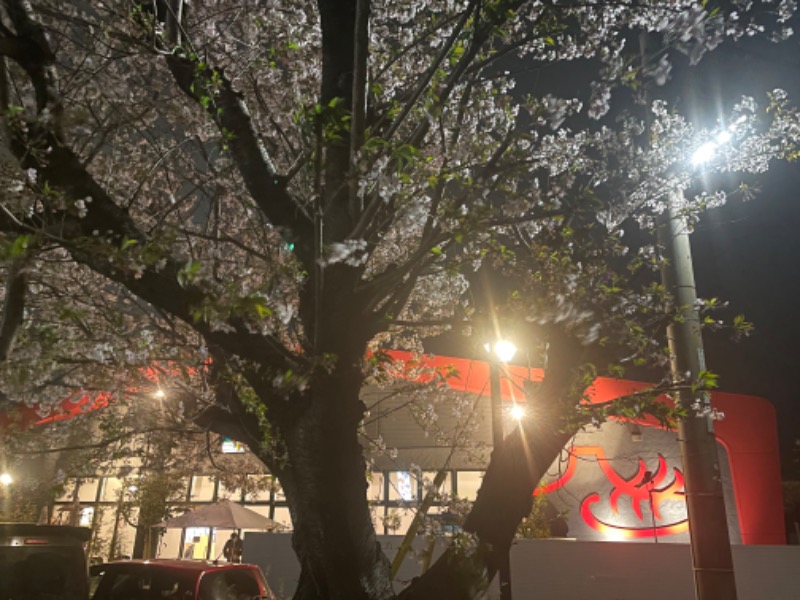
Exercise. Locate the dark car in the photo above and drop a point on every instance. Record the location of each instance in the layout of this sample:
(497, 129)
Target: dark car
(177, 580)
(43, 562)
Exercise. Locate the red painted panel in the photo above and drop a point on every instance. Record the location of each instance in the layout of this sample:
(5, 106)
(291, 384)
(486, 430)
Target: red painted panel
(748, 432)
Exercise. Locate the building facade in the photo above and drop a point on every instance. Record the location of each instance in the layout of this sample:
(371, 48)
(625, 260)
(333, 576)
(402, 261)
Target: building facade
(619, 481)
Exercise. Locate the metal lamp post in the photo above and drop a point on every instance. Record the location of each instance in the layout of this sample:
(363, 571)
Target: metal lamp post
(6, 480)
(708, 525)
(502, 352)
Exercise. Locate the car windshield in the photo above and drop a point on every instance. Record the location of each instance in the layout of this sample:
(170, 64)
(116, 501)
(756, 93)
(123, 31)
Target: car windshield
(151, 582)
(229, 584)
(38, 573)
(141, 582)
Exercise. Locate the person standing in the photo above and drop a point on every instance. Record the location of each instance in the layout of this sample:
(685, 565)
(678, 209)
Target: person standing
(232, 551)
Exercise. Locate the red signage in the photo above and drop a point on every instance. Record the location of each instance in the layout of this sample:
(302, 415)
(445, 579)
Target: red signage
(645, 487)
(748, 433)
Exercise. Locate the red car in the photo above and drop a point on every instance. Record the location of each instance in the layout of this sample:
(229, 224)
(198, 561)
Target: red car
(177, 580)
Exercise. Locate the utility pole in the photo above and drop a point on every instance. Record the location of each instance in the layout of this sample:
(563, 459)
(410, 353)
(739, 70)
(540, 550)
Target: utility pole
(708, 524)
(504, 568)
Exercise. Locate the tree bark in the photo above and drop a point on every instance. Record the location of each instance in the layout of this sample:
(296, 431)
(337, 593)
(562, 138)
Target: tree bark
(326, 487)
(503, 501)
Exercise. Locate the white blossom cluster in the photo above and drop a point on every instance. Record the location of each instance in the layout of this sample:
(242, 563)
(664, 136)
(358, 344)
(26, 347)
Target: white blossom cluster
(459, 163)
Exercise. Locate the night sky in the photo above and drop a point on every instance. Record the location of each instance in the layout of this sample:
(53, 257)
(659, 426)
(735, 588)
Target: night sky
(748, 252)
(745, 253)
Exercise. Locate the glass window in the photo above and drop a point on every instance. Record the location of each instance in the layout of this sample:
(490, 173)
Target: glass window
(85, 516)
(402, 486)
(378, 513)
(202, 488)
(278, 490)
(195, 544)
(283, 516)
(234, 493)
(111, 487)
(375, 490)
(258, 488)
(428, 478)
(67, 491)
(468, 483)
(230, 446)
(43, 571)
(238, 583)
(124, 581)
(397, 521)
(88, 490)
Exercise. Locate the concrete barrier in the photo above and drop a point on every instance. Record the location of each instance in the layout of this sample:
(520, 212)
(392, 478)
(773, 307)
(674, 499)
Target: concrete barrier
(572, 570)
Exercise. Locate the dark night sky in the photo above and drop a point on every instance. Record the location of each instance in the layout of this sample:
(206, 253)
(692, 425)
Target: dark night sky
(748, 252)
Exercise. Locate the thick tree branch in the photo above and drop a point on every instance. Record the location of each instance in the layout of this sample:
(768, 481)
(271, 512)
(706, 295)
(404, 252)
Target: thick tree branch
(106, 441)
(29, 48)
(226, 107)
(62, 170)
(13, 305)
(359, 106)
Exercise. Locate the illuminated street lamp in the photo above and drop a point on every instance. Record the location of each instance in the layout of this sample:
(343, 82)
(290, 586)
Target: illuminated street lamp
(707, 151)
(5, 496)
(502, 351)
(712, 560)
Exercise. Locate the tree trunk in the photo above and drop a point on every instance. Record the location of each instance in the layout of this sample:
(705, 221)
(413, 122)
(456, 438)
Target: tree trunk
(503, 501)
(506, 494)
(325, 485)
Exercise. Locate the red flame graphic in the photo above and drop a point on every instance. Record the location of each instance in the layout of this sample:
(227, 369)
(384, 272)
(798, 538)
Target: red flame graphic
(642, 487)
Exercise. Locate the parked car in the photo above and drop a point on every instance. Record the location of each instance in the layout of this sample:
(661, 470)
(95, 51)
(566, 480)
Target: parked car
(43, 562)
(162, 579)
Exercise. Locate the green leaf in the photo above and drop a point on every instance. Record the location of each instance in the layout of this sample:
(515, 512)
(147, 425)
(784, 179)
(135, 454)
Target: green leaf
(18, 246)
(127, 243)
(188, 273)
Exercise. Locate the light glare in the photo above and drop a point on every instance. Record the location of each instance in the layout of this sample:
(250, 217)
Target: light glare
(517, 412)
(6, 479)
(704, 153)
(159, 394)
(505, 350)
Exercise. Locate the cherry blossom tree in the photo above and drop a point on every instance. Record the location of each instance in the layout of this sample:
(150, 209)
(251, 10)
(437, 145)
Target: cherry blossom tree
(262, 196)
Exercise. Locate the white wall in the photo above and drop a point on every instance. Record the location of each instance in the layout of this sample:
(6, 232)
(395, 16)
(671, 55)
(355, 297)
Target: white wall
(571, 570)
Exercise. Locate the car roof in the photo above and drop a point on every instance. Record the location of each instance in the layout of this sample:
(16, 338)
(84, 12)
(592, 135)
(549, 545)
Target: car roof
(54, 532)
(175, 563)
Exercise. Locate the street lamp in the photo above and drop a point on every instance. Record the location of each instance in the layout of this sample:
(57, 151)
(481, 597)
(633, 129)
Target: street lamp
(708, 526)
(502, 351)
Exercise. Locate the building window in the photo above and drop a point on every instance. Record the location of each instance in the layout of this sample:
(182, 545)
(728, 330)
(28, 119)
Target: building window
(402, 486)
(468, 483)
(202, 488)
(258, 488)
(85, 516)
(375, 491)
(428, 478)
